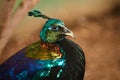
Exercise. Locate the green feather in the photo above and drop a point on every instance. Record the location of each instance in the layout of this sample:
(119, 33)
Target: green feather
(35, 51)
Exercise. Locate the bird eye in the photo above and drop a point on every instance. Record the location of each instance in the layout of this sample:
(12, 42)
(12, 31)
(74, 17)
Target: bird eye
(54, 28)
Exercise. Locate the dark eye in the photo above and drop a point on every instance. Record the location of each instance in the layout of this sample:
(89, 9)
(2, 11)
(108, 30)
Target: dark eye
(54, 28)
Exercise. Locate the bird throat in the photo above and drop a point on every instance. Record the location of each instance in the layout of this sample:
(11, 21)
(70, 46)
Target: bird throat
(43, 51)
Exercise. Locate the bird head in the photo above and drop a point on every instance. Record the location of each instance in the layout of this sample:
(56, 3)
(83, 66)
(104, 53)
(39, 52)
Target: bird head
(54, 29)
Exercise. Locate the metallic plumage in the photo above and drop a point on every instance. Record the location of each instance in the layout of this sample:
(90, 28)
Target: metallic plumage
(52, 58)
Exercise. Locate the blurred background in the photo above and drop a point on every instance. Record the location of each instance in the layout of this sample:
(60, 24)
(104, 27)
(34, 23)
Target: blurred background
(96, 24)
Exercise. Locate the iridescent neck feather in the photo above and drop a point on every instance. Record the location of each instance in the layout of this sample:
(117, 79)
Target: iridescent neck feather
(43, 51)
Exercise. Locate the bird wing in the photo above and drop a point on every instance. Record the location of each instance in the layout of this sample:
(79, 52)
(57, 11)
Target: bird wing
(75, 60)
(24, 65)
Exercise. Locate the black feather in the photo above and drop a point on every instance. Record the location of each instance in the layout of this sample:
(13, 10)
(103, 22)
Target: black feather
(75, 61)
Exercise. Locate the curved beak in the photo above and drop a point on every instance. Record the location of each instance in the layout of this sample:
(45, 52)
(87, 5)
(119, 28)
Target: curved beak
(68, 32)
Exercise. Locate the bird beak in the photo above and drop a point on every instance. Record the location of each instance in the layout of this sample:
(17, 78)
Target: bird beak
(68, 32)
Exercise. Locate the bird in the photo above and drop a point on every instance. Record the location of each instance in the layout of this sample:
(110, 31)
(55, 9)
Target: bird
(53, 57)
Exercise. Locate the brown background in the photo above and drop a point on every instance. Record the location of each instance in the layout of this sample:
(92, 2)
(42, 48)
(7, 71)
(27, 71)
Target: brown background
(97, 29)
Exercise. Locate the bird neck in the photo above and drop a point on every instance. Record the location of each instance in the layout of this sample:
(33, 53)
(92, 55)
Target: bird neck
(49, 46)
(70, 49)
(43, 51)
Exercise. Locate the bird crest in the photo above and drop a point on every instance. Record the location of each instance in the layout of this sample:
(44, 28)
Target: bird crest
(37, 13)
